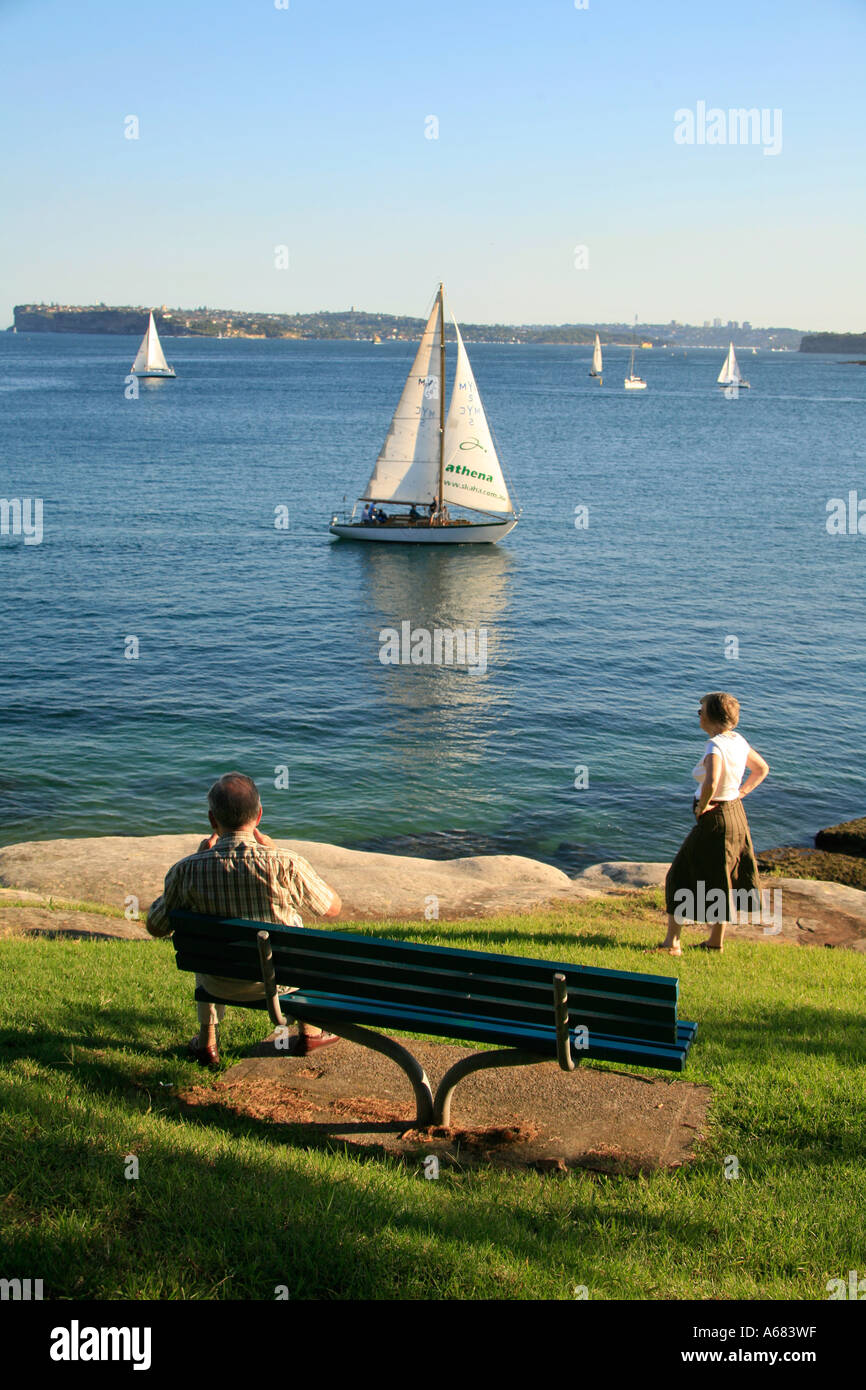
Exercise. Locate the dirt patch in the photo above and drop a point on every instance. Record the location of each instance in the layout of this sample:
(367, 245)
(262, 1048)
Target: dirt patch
(53, 922)
(534, 1117)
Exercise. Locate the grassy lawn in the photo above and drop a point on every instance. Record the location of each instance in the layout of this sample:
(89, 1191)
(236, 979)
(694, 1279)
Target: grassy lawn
(91, 1047)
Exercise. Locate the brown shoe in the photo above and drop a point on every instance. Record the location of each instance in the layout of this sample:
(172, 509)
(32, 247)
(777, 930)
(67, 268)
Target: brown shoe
(205, 1056)
(306, 1044)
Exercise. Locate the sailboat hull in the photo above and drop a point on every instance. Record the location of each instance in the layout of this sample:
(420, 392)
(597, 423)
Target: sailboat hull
(457, 533)
(169, 373)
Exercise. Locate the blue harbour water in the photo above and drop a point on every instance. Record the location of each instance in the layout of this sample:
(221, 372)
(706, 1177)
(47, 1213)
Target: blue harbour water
(259, 647)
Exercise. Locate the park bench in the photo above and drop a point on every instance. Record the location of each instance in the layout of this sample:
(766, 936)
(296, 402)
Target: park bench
(350, 984)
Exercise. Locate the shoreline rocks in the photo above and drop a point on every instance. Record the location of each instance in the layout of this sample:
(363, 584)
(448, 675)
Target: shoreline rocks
(125, 873)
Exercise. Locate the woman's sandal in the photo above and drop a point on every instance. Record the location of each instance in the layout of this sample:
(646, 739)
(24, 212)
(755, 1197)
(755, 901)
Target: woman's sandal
(705, 946)
(665, 950)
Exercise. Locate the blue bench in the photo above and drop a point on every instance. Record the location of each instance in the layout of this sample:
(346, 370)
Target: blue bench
(531, 1010)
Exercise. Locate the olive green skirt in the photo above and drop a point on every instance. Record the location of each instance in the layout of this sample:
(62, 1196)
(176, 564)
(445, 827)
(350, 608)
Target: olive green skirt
(717, 858)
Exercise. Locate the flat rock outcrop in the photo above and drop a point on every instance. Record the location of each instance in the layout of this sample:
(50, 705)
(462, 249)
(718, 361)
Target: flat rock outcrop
(112, 869)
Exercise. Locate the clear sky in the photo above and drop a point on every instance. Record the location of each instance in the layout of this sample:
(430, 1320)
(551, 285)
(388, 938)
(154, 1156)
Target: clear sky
(307, 127)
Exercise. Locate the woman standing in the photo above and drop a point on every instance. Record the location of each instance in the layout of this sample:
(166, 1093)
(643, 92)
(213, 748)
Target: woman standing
(717, 856)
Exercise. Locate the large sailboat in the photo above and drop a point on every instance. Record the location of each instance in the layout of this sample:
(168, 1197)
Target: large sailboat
(596, 368)
(433, 460)
(730, 373)
(150, 359)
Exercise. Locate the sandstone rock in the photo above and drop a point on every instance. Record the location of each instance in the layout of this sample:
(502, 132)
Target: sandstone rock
(110, 869)
(623, 873)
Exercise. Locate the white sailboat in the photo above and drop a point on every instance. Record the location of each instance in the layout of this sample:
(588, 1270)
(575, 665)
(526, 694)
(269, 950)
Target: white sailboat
(632, 382)
(596, 368)
(150, 359)
(433, 460)
(730, 373)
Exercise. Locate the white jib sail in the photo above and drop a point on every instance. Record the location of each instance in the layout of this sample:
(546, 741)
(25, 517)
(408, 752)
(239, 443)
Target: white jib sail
(407, 469)
(596, 356)
(730, 371)
(473, 476)
(150, 356)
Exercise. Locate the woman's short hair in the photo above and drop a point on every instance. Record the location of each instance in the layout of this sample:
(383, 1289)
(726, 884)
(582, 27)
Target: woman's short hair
(234, 800)
(721, 708)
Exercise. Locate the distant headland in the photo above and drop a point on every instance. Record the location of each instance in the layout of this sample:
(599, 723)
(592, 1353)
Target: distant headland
(361, 325)
(834, 342)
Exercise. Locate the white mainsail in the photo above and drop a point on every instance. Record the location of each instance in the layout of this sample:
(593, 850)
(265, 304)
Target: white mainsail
(730, 373)
(407, 469)
(473, 475)
(150, 356)
(596, 357)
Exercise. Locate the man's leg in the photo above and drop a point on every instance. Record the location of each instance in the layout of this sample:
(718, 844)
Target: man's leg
(209, 1015)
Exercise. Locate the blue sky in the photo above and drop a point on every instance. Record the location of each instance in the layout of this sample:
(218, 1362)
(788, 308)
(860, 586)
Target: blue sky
(305, 127)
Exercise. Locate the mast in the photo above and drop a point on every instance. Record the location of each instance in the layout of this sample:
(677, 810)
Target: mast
(441, 397)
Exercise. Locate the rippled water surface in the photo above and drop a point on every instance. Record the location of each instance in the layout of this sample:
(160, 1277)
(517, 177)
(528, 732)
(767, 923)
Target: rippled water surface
(259, 647)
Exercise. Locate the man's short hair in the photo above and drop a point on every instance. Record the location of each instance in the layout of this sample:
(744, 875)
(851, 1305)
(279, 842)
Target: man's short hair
(722, 708)
(234, 800)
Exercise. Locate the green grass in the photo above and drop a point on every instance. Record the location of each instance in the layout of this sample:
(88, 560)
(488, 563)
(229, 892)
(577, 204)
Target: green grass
(226, 1206)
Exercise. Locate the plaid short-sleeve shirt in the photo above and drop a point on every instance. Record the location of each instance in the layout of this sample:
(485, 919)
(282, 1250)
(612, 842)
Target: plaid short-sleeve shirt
(241, 878)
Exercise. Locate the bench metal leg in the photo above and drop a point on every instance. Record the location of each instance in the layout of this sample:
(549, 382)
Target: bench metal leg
(377, 1042)
(269, 979)
(353, 1032)
(479, 1061)
(560, 1013)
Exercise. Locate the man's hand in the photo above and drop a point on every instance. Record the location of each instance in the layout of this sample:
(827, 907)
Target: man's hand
(208, 843)
(264, 840)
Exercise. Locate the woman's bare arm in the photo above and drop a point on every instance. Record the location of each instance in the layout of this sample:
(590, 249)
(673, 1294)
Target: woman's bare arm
(712, 777)
(758, 770)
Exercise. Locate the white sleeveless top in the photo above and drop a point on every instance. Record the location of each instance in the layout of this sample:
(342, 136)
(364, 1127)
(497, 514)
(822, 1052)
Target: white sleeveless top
(733, 751)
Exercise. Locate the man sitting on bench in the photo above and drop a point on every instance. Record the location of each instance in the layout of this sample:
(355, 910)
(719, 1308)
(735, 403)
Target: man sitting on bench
(239, 872)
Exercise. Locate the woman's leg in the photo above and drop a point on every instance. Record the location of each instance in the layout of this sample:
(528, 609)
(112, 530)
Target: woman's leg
(672, 943)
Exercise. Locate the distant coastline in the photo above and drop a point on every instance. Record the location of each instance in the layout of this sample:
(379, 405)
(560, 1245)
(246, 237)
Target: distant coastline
(360, 325)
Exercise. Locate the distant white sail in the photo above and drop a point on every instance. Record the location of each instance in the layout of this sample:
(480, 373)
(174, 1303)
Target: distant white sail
(730, 373)
(407, 469)
(473, 474)
(150, 356)
(596, 357)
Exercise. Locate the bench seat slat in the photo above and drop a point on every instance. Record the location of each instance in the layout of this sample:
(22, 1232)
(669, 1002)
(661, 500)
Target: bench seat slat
(603, 1046)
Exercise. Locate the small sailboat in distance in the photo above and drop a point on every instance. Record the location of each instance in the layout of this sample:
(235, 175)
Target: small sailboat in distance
(150, 358)
(433, 458)
(730, 373)
(596, 368)
(632, 382)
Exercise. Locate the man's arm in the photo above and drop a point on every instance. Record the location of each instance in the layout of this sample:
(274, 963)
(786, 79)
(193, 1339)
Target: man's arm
(157, 922)
(319, 895)
(336, 905)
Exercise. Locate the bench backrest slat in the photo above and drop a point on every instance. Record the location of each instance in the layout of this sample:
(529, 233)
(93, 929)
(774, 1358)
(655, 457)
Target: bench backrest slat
(473, 983)
(338, 943)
